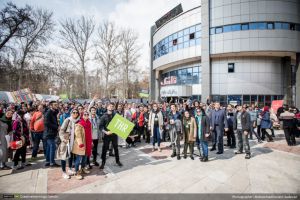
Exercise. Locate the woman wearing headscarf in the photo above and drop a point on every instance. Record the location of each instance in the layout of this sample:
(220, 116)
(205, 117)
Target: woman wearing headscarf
(189, 134)
(265, 123)
(66, 135)
(203, 132)
(5, 131)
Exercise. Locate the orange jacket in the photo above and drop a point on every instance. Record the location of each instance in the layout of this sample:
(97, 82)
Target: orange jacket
(37, 122)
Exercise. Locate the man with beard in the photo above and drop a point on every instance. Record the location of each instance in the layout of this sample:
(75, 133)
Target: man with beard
(108, 136)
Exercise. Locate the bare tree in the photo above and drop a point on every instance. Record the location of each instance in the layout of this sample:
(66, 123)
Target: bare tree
(13, 22)
(129, 55)
(35, 36)
(76, 36)
(107, 44)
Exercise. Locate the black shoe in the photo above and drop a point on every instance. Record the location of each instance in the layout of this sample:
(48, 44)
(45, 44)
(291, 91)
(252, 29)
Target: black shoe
(54, 165)
(232, 147)
(219, 152)
(19, 168)
(173, 155)
(89, 167)
(192, 157)
(47, 164)
(111, 154)
(178, 157)
(102, 166)
(205, 159)
(5, 167)
(96, 163)
(184, 156)
(119, 164)
(248, 156)
(238, 152)
(213, 149)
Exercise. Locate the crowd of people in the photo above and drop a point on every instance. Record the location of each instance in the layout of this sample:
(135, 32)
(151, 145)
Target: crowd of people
(72, 133)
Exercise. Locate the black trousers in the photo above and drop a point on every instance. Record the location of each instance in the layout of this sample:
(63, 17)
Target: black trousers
(140, 132)
(231, 141)
(147, 134)
(20, 152)
(95, 150)
(289, 136)
(265, 133)
(106, 141)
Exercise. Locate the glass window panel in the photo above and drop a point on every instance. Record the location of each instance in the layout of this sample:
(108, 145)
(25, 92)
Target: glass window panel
(277, 25)
(186, 31)
(170, 49)
(270, 25)
(268, 98)
(297, 27)
(261, 98)
(170, 38)
(195, 78)
(292, 27)
(252, 26)
(192, 36)
(219, 30)
(192, 43)
(192, 29)
(236, 27)
(246, 97)
(189, 71)
(186, 44)
(174, 48)
(198, 34)
(186, 38)
(226, 28)
(253, 98)
(195, 69)
(198, 41)
(180, 40)
(180, 45)
(261, 25)
(245, 26)
(285, 26)
(180, 33)
(198, 27)
(212, 31)
(174, 36)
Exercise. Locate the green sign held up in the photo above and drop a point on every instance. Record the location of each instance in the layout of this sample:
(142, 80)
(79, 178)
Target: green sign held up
(120, 126)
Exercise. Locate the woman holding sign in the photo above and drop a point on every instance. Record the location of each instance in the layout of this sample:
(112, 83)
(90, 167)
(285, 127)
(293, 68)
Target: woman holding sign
(155, 125)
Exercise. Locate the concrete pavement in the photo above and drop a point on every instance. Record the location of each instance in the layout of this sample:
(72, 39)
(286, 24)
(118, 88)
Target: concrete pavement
(273, 168)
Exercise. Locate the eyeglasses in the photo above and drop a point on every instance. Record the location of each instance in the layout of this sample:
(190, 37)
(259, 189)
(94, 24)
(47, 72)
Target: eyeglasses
(86, 114)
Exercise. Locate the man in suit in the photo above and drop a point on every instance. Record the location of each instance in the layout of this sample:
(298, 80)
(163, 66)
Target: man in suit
(218, 122)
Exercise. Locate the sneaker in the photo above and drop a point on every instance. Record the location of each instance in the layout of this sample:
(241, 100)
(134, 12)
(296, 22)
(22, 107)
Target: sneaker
(96, 163)
(71, 172)
(192, 157)
(85, 171)
(248, 156)
(184, 156)
(205, 159)
(78, 176)
(153, 149)
(159, 149)
(178, 157)
(65, 176)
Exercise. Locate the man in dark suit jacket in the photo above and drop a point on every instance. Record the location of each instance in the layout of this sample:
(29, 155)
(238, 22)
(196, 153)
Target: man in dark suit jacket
(218, 122)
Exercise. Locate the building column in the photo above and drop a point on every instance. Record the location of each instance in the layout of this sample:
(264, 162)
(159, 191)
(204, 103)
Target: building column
(152, 82)
(205, 50)
(287, 80)
(297, 103)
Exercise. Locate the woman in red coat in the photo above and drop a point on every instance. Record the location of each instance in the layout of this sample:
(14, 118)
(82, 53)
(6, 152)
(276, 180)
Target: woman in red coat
(87, 125)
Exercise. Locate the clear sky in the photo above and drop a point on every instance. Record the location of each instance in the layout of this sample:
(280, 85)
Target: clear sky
(137, 14)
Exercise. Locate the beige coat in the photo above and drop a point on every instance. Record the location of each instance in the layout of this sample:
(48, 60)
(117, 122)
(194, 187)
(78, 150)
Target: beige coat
(79, 139)
(151, 121)
(64, 134)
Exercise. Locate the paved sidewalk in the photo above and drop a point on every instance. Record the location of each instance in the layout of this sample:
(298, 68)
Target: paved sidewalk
(273, 168)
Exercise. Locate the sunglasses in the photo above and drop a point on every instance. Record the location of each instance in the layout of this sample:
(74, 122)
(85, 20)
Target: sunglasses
(86, 114)
(75, 112)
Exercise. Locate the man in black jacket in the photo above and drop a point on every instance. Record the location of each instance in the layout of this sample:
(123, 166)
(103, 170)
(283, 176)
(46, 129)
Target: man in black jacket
(50, 134)
(108, 136)
(242, 125)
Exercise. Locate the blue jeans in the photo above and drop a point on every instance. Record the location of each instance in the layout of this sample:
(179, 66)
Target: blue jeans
(204, 145)
(37, 138)
(156, 136)
(80, 160)
(50, 152)
(64, 162)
